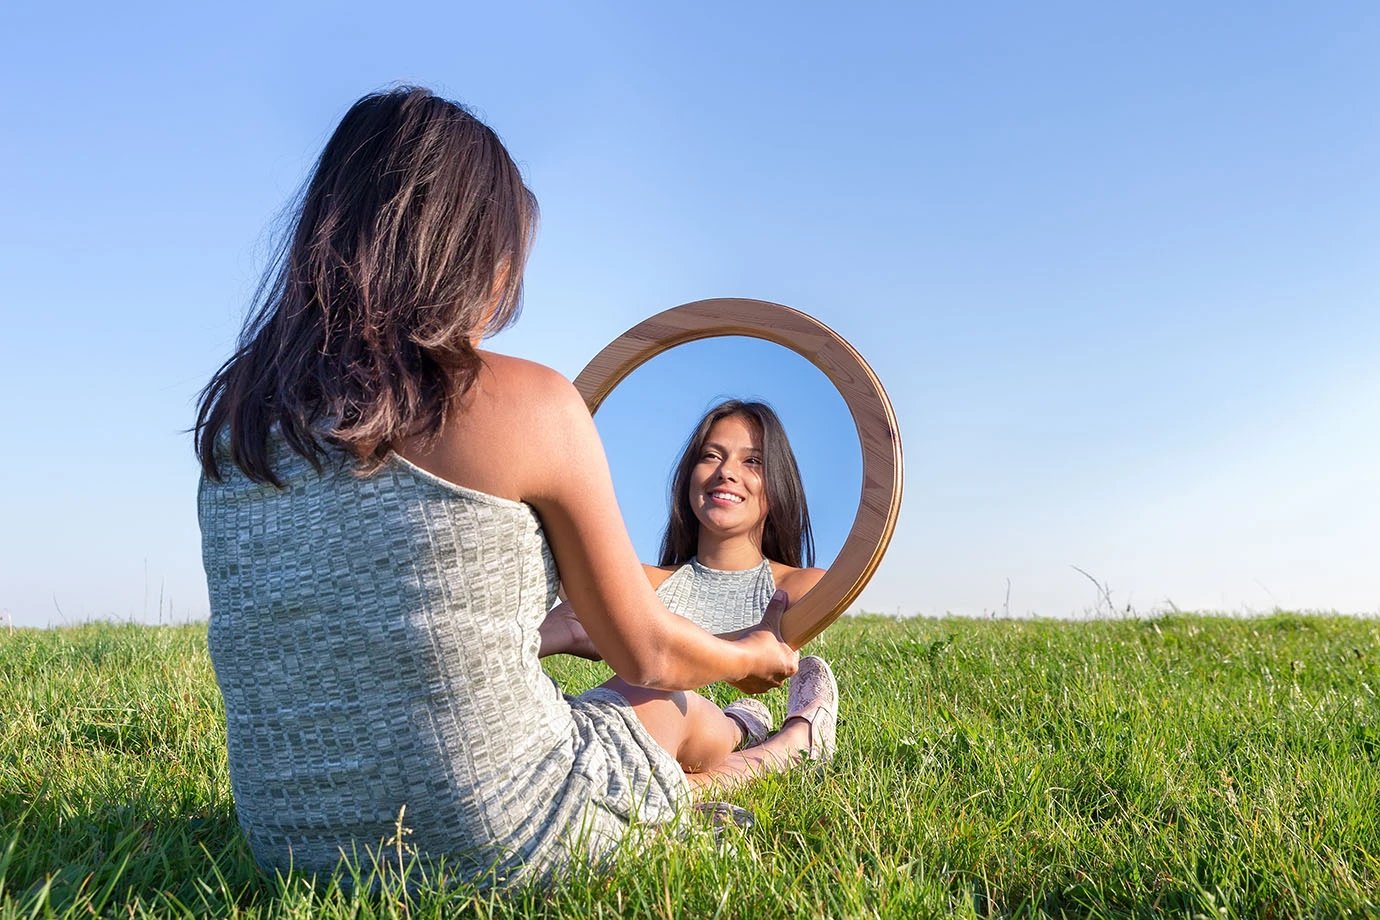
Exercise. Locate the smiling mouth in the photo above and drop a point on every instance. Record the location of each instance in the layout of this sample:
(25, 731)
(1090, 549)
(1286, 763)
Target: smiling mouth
(727, 497)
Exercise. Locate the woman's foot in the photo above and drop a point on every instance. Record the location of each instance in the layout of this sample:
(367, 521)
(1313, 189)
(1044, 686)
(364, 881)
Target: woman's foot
(753, 718)
(814, 700)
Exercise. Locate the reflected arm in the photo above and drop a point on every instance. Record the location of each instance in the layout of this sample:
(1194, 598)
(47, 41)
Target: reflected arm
(562, 633)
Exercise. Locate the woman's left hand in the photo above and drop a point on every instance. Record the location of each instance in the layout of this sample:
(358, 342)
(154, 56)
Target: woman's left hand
(562, 633)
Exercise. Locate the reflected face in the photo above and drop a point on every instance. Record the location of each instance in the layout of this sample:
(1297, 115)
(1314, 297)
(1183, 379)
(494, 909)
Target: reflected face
(727, 491)
(654, 408)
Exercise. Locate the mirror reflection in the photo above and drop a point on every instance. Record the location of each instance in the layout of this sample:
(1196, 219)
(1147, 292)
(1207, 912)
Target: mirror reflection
(646, 423)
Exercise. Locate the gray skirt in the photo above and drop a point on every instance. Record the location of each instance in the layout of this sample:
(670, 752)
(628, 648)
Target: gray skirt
(627, 782)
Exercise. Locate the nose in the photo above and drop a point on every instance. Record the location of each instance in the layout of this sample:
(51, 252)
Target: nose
(727, 472)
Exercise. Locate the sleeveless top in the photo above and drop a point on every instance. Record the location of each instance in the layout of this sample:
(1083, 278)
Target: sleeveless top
(718, 601)
(375, 640)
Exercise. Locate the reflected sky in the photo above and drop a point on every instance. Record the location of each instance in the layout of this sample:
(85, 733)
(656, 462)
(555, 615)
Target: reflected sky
(645, 421)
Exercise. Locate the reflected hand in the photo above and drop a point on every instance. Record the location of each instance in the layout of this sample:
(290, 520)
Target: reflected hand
(776, 661)
(562, 633)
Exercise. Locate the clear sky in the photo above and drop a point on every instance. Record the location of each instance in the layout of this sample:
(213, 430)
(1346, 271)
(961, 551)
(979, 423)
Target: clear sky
(1116, 264)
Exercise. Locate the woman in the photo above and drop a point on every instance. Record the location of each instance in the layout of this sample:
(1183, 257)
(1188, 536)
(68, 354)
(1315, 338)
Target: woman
(739, 527)
(384, 508)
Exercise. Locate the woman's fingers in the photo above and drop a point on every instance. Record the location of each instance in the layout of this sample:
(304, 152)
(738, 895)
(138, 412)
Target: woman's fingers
(771, 617)
(775, 660)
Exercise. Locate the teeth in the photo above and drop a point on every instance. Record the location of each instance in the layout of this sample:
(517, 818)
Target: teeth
(725, 496)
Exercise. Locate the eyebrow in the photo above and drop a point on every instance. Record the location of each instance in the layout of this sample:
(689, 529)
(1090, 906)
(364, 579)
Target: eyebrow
(715, 445)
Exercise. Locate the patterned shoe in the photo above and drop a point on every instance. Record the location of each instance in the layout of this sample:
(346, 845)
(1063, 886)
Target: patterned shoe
(726, 823)
(753, 717)
(814, 698)
(722, 814)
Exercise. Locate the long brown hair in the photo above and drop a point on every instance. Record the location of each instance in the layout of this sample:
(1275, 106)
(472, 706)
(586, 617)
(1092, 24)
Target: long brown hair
(786, 536)
(411, 236)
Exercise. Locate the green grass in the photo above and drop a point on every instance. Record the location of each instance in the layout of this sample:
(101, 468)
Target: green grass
(1182, 765)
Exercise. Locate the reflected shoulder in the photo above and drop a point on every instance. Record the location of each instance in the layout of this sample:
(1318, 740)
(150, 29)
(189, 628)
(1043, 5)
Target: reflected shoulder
(656, 574)
(796, 582)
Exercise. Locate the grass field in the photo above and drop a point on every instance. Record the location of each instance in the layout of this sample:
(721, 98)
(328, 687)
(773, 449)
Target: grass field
(1181, 765)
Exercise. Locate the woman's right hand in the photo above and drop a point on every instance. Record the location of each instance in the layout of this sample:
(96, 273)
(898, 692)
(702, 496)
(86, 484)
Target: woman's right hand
(562, 633)
(775, 660)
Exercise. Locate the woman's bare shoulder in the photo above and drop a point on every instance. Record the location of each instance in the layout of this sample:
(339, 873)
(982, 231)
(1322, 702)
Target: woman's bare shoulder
(505, 372)
(526, 402)
(504, 433)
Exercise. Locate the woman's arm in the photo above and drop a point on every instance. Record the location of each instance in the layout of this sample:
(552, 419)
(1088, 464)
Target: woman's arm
(568, 483)
(562, 633)
(522, 432)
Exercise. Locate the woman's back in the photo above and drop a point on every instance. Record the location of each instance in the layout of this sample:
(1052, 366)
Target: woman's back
(375, 638)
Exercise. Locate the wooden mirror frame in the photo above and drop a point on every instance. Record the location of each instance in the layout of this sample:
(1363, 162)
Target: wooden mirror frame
(880, 501)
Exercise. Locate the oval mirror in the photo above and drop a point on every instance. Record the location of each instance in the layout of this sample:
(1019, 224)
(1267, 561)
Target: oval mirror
(873, 419)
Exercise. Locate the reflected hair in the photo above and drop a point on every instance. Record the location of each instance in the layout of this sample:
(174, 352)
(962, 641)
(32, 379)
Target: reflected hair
(786, 535)
(409, 237)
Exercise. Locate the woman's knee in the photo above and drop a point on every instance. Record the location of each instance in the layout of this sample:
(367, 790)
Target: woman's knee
(688, 726)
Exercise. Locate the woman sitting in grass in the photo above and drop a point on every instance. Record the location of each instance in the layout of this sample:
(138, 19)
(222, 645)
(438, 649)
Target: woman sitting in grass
(384, 509)
(739, 528)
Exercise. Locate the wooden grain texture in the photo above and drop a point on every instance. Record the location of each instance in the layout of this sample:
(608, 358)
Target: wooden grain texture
(873, 415)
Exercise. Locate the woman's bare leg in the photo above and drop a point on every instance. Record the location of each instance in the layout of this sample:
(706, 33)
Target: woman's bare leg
(777, 754)
(703, 739)
(690, 727)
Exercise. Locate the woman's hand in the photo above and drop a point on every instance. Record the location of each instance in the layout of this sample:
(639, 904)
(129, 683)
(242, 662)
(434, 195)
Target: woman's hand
(775, 660)
(562, 633)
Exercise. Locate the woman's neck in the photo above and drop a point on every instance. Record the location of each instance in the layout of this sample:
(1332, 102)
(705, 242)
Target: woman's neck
(732, 555)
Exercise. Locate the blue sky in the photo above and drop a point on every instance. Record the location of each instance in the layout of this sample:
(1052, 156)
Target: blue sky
(1115, 263)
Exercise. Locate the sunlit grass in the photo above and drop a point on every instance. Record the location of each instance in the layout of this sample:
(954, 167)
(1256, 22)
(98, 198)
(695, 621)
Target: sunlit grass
(1185, 765)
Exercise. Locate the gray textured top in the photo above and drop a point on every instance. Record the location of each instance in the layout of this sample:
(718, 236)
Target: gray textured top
(375, 639)
(718, 601)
